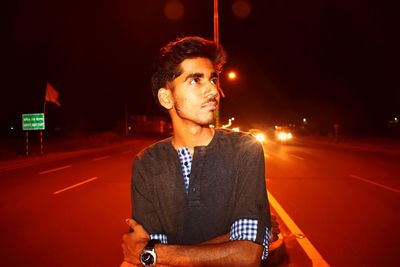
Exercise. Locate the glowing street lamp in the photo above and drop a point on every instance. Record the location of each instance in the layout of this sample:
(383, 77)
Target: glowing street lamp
(232, 75)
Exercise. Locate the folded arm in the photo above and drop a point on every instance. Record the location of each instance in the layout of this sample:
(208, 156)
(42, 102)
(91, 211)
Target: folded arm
(219, 251)
(230, 253)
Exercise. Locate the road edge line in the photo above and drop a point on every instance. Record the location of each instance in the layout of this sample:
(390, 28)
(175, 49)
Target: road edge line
(304, 242)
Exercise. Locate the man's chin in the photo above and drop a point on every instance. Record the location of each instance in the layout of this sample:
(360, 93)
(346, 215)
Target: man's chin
(207, 122)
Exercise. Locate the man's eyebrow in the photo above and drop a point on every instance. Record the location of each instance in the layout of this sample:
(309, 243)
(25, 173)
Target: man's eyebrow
(214, 75)
(194, 75)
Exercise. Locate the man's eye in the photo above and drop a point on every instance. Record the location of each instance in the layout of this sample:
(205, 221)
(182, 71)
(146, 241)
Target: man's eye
(195, 80)
(214, 80)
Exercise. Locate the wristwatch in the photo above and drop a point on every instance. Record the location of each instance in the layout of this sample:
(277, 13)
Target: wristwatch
(148, 256)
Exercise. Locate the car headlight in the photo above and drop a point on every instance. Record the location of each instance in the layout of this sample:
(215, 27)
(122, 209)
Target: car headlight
(282, 136)
(260, 137)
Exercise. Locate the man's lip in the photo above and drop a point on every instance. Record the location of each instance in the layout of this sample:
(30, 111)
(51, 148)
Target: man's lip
(212, 104)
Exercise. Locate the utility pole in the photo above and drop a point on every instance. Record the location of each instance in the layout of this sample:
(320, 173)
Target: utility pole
(216, 40)
(126, 121)
(216, 29)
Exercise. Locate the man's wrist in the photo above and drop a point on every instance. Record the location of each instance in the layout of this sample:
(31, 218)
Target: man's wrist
(148, 256)
(167, 255)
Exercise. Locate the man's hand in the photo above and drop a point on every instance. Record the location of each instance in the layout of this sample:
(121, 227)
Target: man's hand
(127, 264)
(134, 242)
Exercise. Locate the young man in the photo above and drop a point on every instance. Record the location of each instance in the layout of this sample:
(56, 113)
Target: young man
(199, 197)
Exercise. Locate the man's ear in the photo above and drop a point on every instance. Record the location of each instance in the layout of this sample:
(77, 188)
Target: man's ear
(165, 98)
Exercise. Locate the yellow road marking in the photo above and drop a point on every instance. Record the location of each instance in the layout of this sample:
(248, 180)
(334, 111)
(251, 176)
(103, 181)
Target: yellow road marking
(308, 248)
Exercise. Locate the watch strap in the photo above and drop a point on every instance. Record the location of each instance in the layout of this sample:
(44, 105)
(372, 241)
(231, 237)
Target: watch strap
(151, 244)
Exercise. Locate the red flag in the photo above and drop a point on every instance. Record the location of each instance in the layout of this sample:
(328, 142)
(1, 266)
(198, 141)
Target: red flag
(52, 94)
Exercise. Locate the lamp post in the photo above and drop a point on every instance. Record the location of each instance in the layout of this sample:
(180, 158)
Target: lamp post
(216, 40)
(216, 30)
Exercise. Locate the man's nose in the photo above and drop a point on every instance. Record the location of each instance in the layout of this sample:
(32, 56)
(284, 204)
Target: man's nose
(212, 90)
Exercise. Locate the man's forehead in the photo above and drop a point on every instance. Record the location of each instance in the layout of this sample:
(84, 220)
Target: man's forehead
(200, 65)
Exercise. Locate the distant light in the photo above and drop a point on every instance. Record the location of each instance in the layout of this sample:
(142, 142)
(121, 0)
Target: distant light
(12, 128)
(174, 10)
(232, 75)
(260, 137)
(283, 136)
(236, 129)
(396, 119)
(241, 9)
(304, 120)
(212, 126)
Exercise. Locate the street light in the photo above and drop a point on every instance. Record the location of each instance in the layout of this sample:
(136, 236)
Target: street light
(232, 75)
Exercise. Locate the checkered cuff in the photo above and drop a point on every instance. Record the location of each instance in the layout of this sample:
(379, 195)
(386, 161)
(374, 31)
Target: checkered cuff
(161, 237)
(246, 229)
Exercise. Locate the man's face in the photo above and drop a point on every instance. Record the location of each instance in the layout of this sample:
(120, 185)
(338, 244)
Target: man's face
(194, 93)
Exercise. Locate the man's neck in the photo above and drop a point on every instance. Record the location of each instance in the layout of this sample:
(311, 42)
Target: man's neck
(192, 136)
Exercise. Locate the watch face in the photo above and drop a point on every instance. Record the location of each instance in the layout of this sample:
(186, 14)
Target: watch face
(147, 258)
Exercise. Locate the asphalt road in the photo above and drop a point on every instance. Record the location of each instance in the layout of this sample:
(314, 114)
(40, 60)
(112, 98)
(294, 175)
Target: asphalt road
(344, 199)
(41, 225)
(69, 209)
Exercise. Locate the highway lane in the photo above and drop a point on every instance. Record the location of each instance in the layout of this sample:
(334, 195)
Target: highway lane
(81, 226)
(350, 221)
(346, 201)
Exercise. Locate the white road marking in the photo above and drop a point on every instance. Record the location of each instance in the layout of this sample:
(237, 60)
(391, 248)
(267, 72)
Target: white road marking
(75, 185)
(297, 157)
(56, 169)
(308, 248)
(100, 158)
(374, 183)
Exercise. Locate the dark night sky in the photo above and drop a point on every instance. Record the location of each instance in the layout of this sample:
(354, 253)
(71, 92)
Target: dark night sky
(330, 61)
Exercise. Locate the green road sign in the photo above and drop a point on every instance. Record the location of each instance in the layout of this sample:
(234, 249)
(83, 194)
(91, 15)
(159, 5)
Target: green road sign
(33, 121)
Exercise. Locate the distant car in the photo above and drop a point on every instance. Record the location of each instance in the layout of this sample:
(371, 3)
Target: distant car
(258, 134)
(283, 134)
